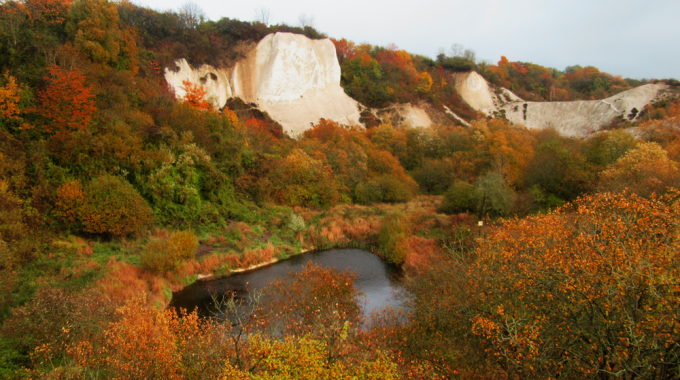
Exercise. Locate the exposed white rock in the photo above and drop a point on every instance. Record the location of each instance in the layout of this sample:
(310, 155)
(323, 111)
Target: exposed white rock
(574, 118)
(294, 79)
(214, 81)
(460, 119)
(479, 94)
(405, 115)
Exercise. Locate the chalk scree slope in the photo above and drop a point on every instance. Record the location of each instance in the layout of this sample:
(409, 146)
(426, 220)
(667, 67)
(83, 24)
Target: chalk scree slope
(573, 118)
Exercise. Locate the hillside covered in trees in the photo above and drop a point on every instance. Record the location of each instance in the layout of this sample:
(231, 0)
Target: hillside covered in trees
(114, 194)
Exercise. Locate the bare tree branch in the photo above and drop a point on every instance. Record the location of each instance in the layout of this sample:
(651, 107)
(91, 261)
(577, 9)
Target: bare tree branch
(191, 14)
(305, 21)
(263, 15)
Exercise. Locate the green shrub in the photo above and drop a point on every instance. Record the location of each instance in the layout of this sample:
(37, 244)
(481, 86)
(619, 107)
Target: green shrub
(386, 188)
(393, 237)
(393, 190)
(367, 193)
(164, 255)
(461, 197)
(495, 197)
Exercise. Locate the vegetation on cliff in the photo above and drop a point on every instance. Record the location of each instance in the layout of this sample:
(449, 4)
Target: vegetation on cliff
(113, 194)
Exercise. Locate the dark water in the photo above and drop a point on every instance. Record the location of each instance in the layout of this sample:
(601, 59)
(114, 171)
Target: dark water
(378, 280)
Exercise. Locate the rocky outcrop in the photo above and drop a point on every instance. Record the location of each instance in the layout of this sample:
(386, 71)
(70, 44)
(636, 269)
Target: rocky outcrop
(294, 79)
(480, 94)
(405, 115)
(574, 118)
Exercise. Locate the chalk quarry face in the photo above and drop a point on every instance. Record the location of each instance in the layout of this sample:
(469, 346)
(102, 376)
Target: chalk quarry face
(574, 118)
(294, 79)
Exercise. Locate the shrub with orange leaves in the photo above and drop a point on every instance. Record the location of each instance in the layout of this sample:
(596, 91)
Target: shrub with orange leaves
(644, 170)
(147, 343)
(70, 197)
(48, 11)
(589, 290)
(163, 255)
(107, 205)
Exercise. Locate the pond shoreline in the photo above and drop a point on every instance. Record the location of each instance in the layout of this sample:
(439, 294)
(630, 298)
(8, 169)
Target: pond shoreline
(212, 276)
(376, 277)
(351, 245)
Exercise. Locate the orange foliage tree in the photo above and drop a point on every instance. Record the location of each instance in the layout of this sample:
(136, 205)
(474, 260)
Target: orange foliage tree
(48, 11)
(66, 102)
(587, 291)
(10, 94)
(510, 150)
(300, 179)
(317, 301)
(148, 343)
(151, 343)
(644, 170)
(195, 96)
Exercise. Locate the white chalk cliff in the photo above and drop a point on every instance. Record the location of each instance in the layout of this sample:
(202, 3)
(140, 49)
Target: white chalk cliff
(297, 82)
(294, 79)
(574, 118)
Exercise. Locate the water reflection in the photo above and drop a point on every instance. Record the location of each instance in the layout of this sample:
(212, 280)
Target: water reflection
(378, 280)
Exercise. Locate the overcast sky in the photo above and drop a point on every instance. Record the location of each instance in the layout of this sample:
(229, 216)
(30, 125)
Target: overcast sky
(636, 39)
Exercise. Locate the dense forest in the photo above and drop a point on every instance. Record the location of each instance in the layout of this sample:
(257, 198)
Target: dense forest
(114, 194)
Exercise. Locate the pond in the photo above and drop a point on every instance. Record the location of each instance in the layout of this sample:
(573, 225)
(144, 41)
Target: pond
(378, 280)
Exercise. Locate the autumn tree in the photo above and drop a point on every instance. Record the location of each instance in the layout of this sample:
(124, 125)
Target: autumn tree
(644, 170)
(606, 148)
(107, 205)
(195, 96)
(94, 25)
(587, 291)
(162, 255)
(494, 195)
(66, 103)
(305, 358)
(48, 11)
(10, 95)
(321, 302)
(510, 150)
(559, 169)
(299, 179)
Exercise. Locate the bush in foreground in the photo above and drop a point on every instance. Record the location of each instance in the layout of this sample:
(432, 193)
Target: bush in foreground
(589, 291)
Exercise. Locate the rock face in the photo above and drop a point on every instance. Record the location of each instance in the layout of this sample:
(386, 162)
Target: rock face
(405, 115)
(481, 95)
(294, 79)
(575, 118)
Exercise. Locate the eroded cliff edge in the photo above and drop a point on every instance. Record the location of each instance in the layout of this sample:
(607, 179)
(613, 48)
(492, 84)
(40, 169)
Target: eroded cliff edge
(294, 79)
(573, 118)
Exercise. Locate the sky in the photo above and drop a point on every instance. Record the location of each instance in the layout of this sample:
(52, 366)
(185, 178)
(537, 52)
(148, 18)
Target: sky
(631, 38)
